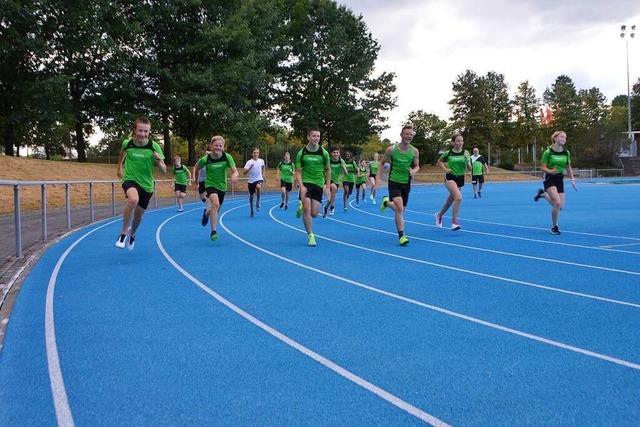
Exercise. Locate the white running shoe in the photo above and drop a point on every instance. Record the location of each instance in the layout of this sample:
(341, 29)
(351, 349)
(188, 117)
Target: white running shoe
(131, 242)
(120, 242)
(438, 219)
(455, 226)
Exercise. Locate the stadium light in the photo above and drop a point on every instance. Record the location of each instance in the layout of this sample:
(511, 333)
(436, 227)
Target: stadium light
(627, 34)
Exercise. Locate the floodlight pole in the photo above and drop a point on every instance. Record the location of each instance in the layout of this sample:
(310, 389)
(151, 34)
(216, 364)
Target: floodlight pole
(631, 33)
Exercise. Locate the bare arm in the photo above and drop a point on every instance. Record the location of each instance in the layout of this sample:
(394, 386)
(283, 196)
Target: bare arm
(416, 163)
(443, 166)
(386, 158)
(121, 157)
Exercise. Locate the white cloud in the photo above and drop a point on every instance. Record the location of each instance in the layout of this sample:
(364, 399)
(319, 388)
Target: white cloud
(427, 43)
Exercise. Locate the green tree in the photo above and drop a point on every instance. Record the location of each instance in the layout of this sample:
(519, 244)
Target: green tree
(565, 103)
(525, 108)
(594, 107)
(327, 79)
(430, 137)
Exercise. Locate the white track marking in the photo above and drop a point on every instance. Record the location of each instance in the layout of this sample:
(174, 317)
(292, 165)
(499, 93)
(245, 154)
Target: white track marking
(532, 228)
(615, 246)
(533, 337)
(505, 236)
(394, 400)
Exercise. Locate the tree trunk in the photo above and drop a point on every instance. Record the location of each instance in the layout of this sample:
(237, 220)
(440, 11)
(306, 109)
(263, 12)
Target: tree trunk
(191, 142)
(80, 142)
(167, 138)
(9, 139)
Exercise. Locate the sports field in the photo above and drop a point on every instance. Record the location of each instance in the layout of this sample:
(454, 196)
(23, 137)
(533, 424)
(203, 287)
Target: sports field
(500, 323)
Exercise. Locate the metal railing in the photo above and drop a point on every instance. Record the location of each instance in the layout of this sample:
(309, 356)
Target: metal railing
(45, 186)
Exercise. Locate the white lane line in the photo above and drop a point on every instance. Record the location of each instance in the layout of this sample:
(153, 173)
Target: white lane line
(476, 248)
(615, 246)
(505, 236)
(60, 400)
(394, 400)
(496, 326)
(532, 228)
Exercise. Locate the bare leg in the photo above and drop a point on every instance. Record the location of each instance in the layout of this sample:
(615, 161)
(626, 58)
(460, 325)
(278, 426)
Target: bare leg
(129, 208)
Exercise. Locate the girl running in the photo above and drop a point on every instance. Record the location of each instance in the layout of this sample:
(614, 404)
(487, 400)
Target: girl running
(338, 170)
(454, 163)
(182, 178)
(361, 181)
(555, 160)
(373, 170)
(349, 180)
(284, 172)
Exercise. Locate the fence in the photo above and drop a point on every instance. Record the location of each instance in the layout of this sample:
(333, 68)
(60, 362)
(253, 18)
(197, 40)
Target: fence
(96, 200)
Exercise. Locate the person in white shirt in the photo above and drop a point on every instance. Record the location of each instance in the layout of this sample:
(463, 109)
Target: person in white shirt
(255, 168)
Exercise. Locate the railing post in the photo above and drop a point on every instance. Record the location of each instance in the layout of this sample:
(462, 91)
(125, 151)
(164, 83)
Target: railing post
(18, 220)
(91, 207)
(113, 199)
(155, 194)
(67, 198)
(43, 202)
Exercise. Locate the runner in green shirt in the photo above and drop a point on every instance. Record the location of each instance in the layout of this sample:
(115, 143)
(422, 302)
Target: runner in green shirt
(182, 177)
(455, 163)
(138, 157)
(338, 170)
(478, 167)
(555, 160)
(349, 179)
(217, 163)
(361, 181)
(313, 175)
(404, 162)
(373, 170)
(284, 172)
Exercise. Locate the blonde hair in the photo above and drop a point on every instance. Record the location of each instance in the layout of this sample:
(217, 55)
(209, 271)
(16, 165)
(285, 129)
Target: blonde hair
(216, 138)
(555, 134)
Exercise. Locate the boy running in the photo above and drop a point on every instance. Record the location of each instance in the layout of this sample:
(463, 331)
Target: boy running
(182, 178)
(338, 170)
(373, 170)
(313, 174)
(138, 157)
(284, 173)
(349, 180)
(361, 181)
(404, 163)
(216, 165)
(255, 168)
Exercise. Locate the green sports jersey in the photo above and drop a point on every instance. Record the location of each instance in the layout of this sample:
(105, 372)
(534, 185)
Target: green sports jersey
(456, 162)
(337, 170)
(373, 167)
(139, 163)
(401, 163)
(181, 175)
(286, 171)
(556, 159)
(216, 170)
(477, 165)
(352, 167)
(312, 164)
(363, 176)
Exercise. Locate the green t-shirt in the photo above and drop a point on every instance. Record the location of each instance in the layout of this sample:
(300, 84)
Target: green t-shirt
(352, 167)
(373, 167)
(139, 163)
(181, 175)
(216, 170)
(362, 177)
(401, 163)
(477, 165)
(557, 159)
(312, 164)
(286, 172)
(456, 162)
(337, 170)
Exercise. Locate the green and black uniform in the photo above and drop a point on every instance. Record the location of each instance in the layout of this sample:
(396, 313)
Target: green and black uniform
(349, 180)
(313, 164)
(399, 175)
(337, 170)
(138, 168)
(286, 174)
(457, 163)
(373, 168)
(216, 173)
(559, 160)
(362, 178)
(477, 169)
(181, 176)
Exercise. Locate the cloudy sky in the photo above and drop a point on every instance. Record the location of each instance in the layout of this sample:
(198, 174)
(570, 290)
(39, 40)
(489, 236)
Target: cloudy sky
(427, 43)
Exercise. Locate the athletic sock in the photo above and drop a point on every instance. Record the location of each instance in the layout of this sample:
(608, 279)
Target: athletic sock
(400, 233)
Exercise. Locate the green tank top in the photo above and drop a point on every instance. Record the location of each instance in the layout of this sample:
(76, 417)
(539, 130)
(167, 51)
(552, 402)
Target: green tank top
(286, 172)
(456, 162)
(556, 159)
(373, 167)
(401, 162)
(181, 175)
(351, 171)
(363, 176)
(217, 170)
(312, 164)
(139, 163)
(336, 170)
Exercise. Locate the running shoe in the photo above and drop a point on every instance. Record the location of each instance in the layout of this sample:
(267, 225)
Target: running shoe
(538, 195)
(286, 207)
(131, 242)
(480, 194)
(325, 210)
(312, 240)
(120, 242)
(213, 236)
(455, 226)
(404, 241)
(555, 230)
(345, 209)
(383, 204)
(299, 210)
(438, 219)
(475, 196)
(281, 205)
(258, 206)
(332, 210)
(180, 210)
(205, 218)
(373, 200)
(251, 214)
